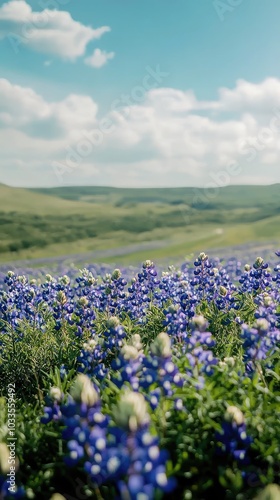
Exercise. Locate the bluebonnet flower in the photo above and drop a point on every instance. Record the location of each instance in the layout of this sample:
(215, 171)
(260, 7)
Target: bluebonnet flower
(197, 348)
(267, 308)
(146, 471)
(88, 286)
(141, 291)
(258, 342)
(81, 315)
(225, 299)
(91, 358)
(176, 321)
(18, 303)
(52, 412)
(172, 285)
(128, 364)
(122, 451)
(63, 372)
(276, 280)
(115, 285)
(255, 278)
(188, 301)
(114, 334)
(159, 369)
(96, 351)
(155, 373)
(233, 440)
(82, 419)
(203, 276)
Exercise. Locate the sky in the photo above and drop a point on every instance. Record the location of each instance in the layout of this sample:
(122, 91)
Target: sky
(139, 94)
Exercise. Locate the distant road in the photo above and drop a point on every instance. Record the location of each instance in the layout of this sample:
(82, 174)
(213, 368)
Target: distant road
(109, 252)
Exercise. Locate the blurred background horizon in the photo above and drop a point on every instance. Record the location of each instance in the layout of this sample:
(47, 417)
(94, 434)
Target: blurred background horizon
(138, 131)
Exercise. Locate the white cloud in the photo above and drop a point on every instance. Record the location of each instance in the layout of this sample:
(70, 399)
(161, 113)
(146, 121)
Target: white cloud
(167, 138)
(51, 32)
(172, 100)
(99, 58)
(20, 105)
(250, 97)
(17, 11)
(23, 109)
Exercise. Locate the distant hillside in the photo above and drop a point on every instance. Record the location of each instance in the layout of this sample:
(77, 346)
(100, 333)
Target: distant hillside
(23, 200)
(228, 196)
(37, 223)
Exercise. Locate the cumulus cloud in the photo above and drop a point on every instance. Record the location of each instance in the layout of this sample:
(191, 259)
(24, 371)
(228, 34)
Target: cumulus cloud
(25, 110)
(166, 137)
(172, 100)
(255, 98)
(99, 58)
(50, 32)
(17, 10)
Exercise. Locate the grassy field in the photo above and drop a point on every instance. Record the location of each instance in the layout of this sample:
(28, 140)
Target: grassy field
(55, 222)
(229, 196)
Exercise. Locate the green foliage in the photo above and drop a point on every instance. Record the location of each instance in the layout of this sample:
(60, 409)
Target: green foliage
(100, 217)
(191, 436)
(223, 326)
(28, 362)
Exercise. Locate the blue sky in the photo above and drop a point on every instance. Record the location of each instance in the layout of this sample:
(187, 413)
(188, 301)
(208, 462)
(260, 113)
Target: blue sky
(61, 73)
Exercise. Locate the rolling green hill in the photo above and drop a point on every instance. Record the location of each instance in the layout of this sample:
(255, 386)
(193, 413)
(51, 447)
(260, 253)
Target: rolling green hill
(228, 196)
(38, 223)
(25, 201)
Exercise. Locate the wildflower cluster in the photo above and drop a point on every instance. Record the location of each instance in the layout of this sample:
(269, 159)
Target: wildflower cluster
(233, 439)
(142, 385)
(119, 450)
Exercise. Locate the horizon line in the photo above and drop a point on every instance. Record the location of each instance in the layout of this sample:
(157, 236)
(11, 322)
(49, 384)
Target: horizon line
(135, 187)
